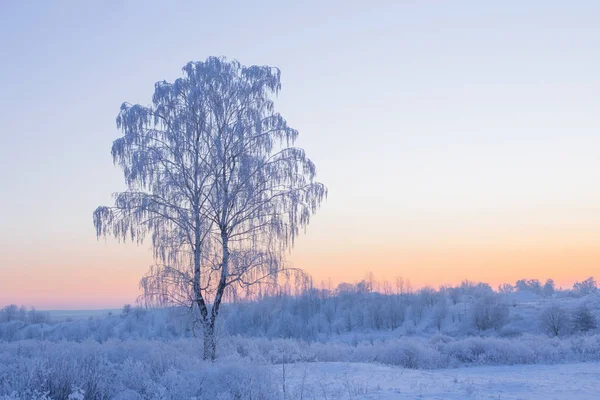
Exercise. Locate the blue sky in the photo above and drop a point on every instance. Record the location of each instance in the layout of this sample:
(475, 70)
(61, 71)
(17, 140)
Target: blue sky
(457, 125)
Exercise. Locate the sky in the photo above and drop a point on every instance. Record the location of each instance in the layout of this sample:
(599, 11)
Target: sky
(458, 139)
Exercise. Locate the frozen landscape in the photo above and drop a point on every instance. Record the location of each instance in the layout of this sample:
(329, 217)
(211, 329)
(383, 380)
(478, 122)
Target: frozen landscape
(527, 341)
(316, 200)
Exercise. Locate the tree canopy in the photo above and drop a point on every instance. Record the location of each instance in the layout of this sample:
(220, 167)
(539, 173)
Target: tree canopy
(214, 180)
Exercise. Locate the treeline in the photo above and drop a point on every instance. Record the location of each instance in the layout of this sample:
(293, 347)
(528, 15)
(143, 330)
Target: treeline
(467, 309)
(350, 310)
(12, 312)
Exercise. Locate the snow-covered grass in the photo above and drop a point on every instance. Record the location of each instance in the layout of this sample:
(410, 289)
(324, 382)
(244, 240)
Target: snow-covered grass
(253, 368)
(355, 381)
(126, 370)
(421, 353)
(459, 342)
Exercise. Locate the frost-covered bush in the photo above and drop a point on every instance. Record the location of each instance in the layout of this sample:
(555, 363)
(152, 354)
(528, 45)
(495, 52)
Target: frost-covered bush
(126, 370)
(148, 369)
(488, 351)
(410, 354)
(440, 351)
(554, 319)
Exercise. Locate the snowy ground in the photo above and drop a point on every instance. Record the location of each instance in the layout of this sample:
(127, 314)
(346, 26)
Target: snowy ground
(330, 381)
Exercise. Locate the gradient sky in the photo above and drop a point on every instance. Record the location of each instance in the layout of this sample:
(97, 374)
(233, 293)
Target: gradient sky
(458, 139)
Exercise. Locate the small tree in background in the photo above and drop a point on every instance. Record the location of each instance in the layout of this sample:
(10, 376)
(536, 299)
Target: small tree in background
(488, 312)
(126, 310)
(554, 320)
(212, 178)
(10, 313)
(440, 312)
(548, 289)
(583, 320)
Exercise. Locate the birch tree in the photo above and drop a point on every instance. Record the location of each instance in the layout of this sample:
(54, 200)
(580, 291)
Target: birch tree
(214, 181)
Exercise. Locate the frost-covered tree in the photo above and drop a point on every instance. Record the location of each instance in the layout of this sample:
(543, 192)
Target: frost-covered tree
(506, 288)
(214, 180)
(10, 313)
(585, 287)
(428, 296)
(554, 319)
(548, 289)
(522, 285)
(535, 286)
(583, 319)
(488, 312)
(126, 309)
(440, 313)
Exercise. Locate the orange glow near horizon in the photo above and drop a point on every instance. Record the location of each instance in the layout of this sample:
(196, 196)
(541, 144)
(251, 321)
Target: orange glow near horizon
(450, 267)
(106, 275)
(456, 141)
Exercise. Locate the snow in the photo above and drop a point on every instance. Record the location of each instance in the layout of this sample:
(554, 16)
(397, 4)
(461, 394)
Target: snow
(374, 381)
(346, 345)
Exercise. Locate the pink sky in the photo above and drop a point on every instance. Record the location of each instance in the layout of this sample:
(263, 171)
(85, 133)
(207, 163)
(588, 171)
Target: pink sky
(458, 141)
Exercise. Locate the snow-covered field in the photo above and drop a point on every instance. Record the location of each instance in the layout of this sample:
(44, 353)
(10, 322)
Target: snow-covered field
(252, 368)
(467, 342)
(372, 381)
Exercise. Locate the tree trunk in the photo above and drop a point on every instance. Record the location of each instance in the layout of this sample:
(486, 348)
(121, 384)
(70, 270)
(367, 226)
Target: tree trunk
(210, 344)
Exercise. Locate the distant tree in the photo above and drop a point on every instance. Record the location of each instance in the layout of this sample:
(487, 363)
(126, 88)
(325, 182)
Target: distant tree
(467, 287)
(583, 320)
(126, 309)
(440, 312)
(10, 312)
(522, 285)
(417, 310)
(37, 317)
(345, 287)
(364, 287)
(534, 286)
(403, 286)
(554, 320)
(395, 311)
(427, 296)
(488, 312)
(375, 314)
(482, 289)
(454, 293)
(370, 282)
(212, 178)
(548, 289)
(586, 287)
(22, 313)
(506, 288)
(386, 287)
